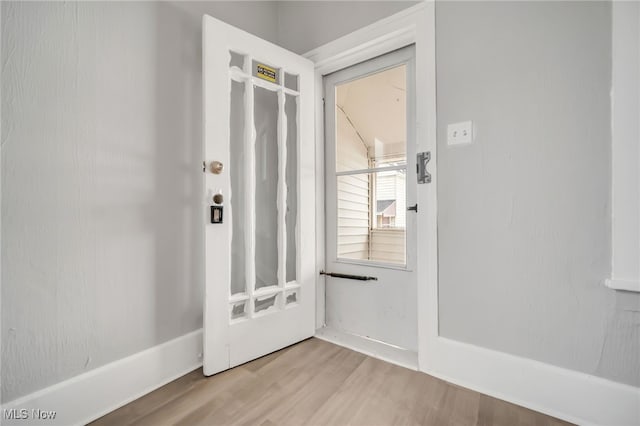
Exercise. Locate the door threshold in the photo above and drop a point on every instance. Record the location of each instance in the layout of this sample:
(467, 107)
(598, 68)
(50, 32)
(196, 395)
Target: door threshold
(374, 348)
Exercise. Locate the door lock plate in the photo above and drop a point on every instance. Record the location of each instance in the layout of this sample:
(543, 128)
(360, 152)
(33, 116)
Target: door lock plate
(216, 214)
(422, 158)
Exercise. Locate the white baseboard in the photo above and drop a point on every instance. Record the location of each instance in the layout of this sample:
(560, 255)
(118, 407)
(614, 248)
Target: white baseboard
(91, 395)
(566, 394)
(374, 348)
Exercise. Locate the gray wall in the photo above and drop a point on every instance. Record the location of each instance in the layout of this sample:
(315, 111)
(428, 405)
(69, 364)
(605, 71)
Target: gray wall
(101, 180)
(305, 25)
(524, 213)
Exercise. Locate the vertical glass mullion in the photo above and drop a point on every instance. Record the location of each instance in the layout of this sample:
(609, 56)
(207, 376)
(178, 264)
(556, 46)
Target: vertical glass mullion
(250, 188)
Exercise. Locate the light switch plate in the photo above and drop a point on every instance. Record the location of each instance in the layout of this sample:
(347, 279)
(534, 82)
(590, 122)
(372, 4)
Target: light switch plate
(460, 133)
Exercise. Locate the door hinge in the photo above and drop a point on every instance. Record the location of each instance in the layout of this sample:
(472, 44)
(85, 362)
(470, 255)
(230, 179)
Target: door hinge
(422, 158)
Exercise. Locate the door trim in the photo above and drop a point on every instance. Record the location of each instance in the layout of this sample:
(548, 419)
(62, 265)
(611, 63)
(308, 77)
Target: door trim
(415, 25)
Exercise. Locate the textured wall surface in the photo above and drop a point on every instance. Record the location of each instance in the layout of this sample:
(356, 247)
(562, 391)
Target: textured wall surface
(305, 25)
(524, 213)
(101, 180)
(625, 122)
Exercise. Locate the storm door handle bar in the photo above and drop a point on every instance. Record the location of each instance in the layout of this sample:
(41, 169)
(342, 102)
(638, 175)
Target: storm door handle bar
(349, 276)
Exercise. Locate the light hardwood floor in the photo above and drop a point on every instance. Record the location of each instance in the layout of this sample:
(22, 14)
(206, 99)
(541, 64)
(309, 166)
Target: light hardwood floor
(318, 383)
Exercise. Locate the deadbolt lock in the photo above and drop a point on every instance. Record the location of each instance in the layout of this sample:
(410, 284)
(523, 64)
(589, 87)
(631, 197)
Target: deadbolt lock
(218, 198)
(216, 167)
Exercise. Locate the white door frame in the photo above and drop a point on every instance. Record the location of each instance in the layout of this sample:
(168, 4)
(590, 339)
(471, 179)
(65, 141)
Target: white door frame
(415, 25)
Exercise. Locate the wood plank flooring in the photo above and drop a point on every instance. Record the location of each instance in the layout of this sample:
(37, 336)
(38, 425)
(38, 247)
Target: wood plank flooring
(319, 383)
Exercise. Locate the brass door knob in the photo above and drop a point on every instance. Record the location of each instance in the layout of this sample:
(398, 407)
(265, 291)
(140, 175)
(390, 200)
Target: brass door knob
(216, 167)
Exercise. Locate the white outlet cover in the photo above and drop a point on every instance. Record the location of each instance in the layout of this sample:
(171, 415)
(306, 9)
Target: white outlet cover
(460, 133)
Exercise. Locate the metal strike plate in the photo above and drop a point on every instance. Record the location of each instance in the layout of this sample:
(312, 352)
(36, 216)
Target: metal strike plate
(422, 158)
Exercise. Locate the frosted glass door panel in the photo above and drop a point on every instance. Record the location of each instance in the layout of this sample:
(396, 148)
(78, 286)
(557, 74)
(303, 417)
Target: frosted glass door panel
(291, 113)
(266, 207)
(236, 60)
(237, 175)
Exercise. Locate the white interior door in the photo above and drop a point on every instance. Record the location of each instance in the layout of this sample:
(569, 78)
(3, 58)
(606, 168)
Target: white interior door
(259, 184)
(370, 184)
